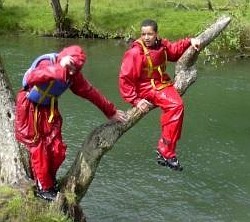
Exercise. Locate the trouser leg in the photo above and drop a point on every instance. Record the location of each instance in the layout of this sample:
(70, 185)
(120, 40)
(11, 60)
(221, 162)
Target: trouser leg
(171, 121)
(58, 155)
(171, 131)
(41, 165)
(45, 162)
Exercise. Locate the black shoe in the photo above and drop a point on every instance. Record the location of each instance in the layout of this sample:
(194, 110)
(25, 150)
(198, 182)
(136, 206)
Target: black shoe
(49, 195)
(172, 163)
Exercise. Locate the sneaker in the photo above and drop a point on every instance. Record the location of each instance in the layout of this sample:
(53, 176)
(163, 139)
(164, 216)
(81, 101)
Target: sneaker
(172, 163)
(49, 195)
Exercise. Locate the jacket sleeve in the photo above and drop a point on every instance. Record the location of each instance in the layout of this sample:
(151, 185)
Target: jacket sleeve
(176, 49)
(130, 71)
(83, 88)
(46, 72)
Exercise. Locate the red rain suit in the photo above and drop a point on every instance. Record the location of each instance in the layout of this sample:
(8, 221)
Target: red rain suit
(136, 82)
(47, 151)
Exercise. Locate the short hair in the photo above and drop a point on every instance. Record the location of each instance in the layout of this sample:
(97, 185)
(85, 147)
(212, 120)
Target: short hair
(150, 22)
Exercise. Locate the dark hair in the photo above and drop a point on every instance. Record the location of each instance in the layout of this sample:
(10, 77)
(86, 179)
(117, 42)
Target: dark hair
(150, 22)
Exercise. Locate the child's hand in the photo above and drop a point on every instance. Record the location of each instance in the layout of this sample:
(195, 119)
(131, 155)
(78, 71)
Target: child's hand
(196, 43)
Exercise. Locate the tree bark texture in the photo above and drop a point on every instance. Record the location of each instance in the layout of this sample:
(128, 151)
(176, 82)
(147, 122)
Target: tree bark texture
(87, 12)
(80, 175)
(11, 168)
(62, 23)
(58, 13)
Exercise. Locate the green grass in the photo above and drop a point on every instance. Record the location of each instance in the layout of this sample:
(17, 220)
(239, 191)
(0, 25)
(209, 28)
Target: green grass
(18, 207)
(25, 16)
(116, 16)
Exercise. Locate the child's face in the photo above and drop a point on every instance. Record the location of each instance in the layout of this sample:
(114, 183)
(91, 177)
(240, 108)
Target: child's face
(148, 35)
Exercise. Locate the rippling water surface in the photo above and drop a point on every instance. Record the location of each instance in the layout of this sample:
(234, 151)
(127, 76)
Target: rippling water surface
(129, 185)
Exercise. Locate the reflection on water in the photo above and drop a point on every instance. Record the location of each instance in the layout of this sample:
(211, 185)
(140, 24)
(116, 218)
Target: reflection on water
(129, 185)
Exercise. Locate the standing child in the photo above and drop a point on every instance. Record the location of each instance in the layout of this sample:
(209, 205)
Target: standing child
(38, 121)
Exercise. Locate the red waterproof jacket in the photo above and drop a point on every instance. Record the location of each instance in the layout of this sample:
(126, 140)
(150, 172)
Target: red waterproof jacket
(46, 72)
(135, 82)
(28, 124)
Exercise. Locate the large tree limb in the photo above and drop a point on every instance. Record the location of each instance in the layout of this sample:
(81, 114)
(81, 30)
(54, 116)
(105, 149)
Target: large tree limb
(101, 140)
(11, 169)
(185, 69)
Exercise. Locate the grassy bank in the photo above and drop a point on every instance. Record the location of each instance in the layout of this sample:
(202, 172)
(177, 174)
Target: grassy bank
(16, 207)
(114, 17)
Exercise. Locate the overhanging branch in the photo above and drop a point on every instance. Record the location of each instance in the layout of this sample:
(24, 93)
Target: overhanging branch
(102, 138)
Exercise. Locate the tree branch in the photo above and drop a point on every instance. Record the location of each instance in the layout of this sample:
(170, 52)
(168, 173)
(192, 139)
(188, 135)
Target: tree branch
(185, 69)
(11, 169)
(102, 139)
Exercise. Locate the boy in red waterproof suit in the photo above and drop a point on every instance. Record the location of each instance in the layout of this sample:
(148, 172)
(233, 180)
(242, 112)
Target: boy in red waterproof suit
(38, 121)
(144, 83)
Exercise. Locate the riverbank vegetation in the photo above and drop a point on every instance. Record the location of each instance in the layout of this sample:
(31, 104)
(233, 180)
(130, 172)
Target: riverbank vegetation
(121, 19)
(17, 207)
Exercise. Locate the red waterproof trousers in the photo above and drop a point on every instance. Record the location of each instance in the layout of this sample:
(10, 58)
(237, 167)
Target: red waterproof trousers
(172, 107)
(171, 104)
(42, 139)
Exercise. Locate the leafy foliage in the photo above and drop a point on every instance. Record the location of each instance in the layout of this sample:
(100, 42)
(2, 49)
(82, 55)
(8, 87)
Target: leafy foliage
(234, 39)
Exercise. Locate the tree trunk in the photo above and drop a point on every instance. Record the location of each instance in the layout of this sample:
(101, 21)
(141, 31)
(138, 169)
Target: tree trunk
(209, 5)
(87, 12)
(58, 14)
(63, 24)
(79, 177)
(86, 30)
(11, 169)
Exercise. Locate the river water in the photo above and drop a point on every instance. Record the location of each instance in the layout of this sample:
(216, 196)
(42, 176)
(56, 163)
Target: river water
(129, 185)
